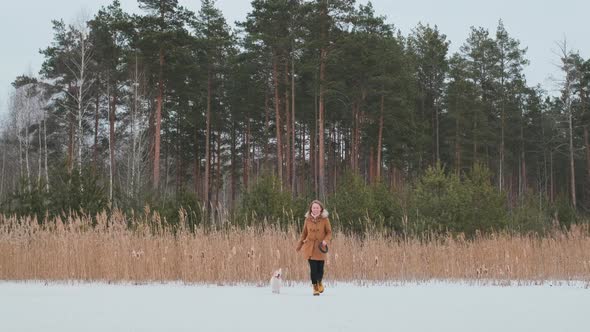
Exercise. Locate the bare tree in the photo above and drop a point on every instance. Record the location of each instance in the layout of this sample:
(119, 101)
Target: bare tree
(567, 88)
(78, 64)
(137, 144)
(26, 108)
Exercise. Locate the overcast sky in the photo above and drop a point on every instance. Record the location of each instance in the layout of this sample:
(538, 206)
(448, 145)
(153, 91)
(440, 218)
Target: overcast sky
(25, 27)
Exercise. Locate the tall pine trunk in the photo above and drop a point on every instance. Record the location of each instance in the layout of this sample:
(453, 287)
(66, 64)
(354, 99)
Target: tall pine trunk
(275, 74)
(457, 147)
(158, 121)
(233, 165)
(584, 104)
(313, 163)
(177, 149)
(380, 140)
(323, 60)
(502, 125)
(246, 162)
(197, 171)
(112, 119)
(437, 130)
(218, 177)
(206, 186)
(293, 157)
(474, 159)
(523, 176)
(288, 164)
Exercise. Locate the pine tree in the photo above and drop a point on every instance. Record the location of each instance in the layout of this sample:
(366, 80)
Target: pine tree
(430, 48)
(509, 75)
(161, 27)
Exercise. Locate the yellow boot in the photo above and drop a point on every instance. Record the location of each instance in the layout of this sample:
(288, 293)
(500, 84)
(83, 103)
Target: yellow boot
(320, 287)
(316, 290)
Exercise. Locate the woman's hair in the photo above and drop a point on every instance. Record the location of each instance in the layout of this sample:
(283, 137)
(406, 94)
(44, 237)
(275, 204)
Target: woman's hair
(315, 201)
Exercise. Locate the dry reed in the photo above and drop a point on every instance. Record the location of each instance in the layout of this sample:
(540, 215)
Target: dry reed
(117, 248)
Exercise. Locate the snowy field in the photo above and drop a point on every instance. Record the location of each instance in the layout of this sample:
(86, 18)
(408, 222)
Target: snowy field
(433, 306)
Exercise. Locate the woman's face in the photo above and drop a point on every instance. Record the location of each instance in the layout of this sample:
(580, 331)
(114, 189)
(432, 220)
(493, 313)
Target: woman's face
(316, 209)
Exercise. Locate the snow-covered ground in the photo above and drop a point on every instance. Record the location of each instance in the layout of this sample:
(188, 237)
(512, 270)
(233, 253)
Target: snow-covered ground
(432, 306)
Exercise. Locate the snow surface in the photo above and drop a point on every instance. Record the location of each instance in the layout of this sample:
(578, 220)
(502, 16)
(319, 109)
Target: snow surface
(431, 306)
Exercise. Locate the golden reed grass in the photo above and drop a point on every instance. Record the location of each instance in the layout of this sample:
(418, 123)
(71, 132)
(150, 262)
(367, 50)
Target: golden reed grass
(139, 249)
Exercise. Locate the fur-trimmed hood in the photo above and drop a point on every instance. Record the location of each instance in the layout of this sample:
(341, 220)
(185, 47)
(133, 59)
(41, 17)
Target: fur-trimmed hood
(324, 214)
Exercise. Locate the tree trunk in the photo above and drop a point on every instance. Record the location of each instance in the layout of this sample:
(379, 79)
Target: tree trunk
(206, 185)
(80, 99)
(275, 73)
(266, 129)
(572, 168)
(233, 165)
(70, 160)
(2, 175)
(302, 154)
(502, 125)
(112, 119)
(39, 163)
(335, 158)
(246, 162)
(95, 146)
(218, 178)
(457, 147)
(330, 158)
(288, 164)
(357, 138)
(158, 121)
(20, 154)
(474, 139)
(134, 157)
(371, 164)
(312, 148)
(177, 149)
(293, 157)
(584, 104)
(380, 140)
(46, 153)
(551, 179)
(353, 154)
(166, 144)
(522, 158)
(197, 170)
(27, 156)
(587, 145)
(437, 127)
(323, 60)
(321, 146)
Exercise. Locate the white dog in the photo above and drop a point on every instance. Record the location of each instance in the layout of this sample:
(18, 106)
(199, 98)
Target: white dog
(276, 281)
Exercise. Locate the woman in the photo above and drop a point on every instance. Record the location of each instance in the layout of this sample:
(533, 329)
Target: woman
(313, 243)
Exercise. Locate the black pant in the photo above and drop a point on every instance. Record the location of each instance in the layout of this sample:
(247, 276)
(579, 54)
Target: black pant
(317, 270)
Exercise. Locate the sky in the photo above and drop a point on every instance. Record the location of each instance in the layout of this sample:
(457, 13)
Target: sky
(408, 307)
(25, 27)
